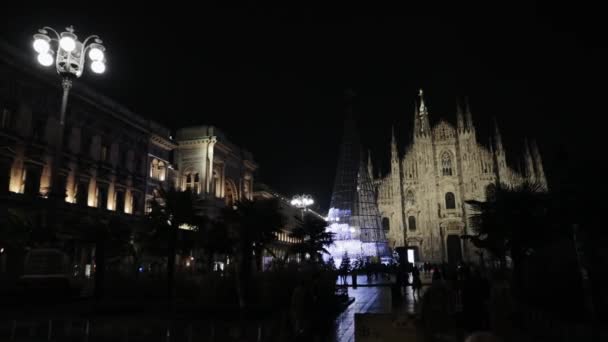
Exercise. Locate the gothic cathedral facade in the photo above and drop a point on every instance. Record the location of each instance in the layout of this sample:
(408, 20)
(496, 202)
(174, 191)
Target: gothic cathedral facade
(422, 199)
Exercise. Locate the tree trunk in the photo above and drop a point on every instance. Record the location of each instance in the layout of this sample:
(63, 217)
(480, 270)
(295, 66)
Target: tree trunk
(259, 260)
(243, 270)
(171, 264)
(100, 266)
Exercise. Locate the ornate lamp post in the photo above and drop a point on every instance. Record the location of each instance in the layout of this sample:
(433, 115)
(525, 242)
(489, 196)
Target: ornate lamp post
(302, 202)
(69, 55)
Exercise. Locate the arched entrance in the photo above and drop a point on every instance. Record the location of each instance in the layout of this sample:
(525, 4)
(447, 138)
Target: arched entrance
(454, 249)
(230, 194)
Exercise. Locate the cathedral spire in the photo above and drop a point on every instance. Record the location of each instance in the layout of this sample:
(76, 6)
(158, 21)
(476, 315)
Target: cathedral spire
(497, 138)
(416, 120)
(468, 115)
(528, 162)
(370, 166)
(459, 117)
(538, 166)
(394, 151)
(423, 115)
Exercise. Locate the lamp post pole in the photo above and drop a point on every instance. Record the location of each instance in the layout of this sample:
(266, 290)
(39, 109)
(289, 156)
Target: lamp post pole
(68, 54)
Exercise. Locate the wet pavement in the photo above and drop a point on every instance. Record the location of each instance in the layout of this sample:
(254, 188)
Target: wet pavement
(369, 299)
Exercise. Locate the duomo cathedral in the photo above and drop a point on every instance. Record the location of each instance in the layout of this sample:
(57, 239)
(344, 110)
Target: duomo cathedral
(422, 199)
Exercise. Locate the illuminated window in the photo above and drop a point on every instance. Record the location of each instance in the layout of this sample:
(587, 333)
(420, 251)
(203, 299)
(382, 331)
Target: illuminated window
(161, 171)
(191, 181)
(446, 164)
(153, 166)
(450, 201)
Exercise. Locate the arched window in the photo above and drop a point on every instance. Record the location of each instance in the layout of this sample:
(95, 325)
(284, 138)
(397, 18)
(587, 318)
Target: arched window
(386, 223)
(153, 166)
(411, 222)
(490, 192)
(191, 181)
(450, 201)
(409, 198)
(161, 171)
(446, 164)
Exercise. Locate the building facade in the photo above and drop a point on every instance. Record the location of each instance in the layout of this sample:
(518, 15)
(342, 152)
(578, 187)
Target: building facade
(422, 199)
(112, 160)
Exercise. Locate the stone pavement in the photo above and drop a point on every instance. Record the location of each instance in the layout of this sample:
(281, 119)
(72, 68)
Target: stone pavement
(368, 299)
(382, 280)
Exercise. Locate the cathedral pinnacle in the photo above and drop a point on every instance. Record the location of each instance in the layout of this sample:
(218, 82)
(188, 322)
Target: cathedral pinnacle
(497, 137)
(424, 127)
(468, 115)
(423, 111)
(459, 117)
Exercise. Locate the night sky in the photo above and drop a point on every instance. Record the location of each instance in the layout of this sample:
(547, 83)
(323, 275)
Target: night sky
(273, 78)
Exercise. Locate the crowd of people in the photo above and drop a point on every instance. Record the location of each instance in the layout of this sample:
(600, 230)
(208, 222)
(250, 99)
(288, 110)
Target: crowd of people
(458, 297)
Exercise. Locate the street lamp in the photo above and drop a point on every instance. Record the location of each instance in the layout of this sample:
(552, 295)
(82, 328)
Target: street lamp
(69, 55)
(302, 202)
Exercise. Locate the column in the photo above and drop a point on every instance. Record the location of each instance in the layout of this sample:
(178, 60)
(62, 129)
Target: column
(203, 171)
(209, 178)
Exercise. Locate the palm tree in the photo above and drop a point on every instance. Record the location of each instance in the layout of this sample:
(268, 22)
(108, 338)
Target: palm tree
(313, 237)
(514, 221)
(252, 226)
(213, 238)
(168, 211)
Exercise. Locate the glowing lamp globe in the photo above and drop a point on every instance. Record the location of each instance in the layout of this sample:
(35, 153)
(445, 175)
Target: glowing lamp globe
(67, 43)
(45, 59)
(98, 67)
(41, 45)
(96, 54)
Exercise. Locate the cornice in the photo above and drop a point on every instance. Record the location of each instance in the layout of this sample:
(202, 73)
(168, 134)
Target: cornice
(162, 142)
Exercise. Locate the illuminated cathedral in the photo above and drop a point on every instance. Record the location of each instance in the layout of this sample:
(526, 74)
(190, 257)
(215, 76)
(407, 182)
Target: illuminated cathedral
(422, 199)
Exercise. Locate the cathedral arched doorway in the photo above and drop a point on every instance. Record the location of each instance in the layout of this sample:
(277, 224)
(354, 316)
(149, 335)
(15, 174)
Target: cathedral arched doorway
(386, 225)
(454, 249)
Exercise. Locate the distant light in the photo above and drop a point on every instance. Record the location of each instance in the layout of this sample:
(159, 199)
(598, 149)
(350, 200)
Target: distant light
(186, 226)
(96, 54)
(140, 269)
(67, 43)
(45, 59)
(187, 263)
(2, 250)
(41, 45)
(192, 258)
(98, 67)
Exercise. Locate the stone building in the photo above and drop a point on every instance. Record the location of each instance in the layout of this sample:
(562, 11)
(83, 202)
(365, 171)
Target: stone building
(422, 199)
(112, 160)
(213, 167)
(293, 217)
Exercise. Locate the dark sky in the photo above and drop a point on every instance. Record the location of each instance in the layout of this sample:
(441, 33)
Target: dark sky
(273, 78)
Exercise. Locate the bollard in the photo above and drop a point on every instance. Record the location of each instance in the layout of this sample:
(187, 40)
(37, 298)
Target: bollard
(168, 339)
(50, 332)
(212, 333)
(68, 328)
(189, 332)
(260, 332)
(14, 330)
(86, 331)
